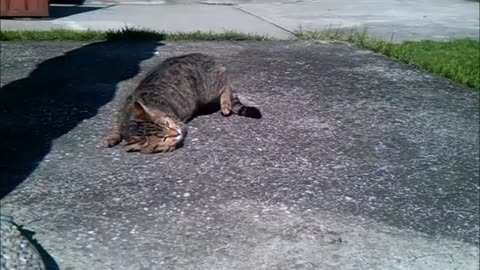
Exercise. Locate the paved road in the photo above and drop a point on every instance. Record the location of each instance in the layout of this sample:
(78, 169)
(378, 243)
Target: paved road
(385, 19)
(358, 163)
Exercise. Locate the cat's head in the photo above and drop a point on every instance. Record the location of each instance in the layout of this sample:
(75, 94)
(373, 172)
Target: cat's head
(151, 131)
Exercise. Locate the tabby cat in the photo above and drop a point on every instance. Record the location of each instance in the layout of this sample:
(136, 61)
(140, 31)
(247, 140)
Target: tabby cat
(154, 115)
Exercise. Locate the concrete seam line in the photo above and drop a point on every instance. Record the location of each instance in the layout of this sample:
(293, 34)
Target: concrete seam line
(265, 20)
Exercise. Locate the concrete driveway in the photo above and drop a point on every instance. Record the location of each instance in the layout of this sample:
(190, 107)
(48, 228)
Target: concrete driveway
(391, 20)
(358, 162)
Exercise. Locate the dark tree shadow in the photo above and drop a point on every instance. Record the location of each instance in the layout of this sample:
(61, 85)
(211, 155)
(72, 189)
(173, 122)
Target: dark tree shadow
(60, 93)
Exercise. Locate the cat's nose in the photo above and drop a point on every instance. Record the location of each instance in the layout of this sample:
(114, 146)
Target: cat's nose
(173, 132)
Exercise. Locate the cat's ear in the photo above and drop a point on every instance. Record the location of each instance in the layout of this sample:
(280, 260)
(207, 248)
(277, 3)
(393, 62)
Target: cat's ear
(140, 111)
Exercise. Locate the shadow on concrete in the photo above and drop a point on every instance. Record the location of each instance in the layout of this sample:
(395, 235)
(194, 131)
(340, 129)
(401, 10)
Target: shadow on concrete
(59, 94)
(48, 260)
(57, 12)
(62, 11)
(67, 2)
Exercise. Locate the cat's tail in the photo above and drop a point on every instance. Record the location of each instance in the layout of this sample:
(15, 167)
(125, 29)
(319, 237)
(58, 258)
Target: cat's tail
(247, 111)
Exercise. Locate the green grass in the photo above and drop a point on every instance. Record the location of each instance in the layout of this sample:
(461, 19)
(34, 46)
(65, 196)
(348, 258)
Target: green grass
(123, 34)
(50, 35)
(458, 60)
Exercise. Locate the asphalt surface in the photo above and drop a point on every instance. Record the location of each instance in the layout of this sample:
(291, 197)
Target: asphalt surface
(358, 162)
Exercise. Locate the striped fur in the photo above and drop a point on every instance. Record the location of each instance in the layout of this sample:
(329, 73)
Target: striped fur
(153, 117)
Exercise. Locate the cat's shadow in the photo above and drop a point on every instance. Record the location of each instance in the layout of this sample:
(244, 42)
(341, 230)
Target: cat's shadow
(210, 108)
(55, 97)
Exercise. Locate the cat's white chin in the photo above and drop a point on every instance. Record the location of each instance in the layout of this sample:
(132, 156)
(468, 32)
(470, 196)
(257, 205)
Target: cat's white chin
(179, 137)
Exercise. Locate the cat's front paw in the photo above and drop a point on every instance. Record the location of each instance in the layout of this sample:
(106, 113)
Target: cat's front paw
(111, 140)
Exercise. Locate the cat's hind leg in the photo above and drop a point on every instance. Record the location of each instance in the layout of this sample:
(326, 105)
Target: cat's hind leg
(226, 100)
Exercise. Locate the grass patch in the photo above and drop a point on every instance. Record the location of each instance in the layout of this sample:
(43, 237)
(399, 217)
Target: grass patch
(457, 60)
(25, 35)
(123, 34)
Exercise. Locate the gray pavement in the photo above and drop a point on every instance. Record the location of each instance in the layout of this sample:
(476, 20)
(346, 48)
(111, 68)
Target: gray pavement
(168, 18)
(358, 162)
(386, 19)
